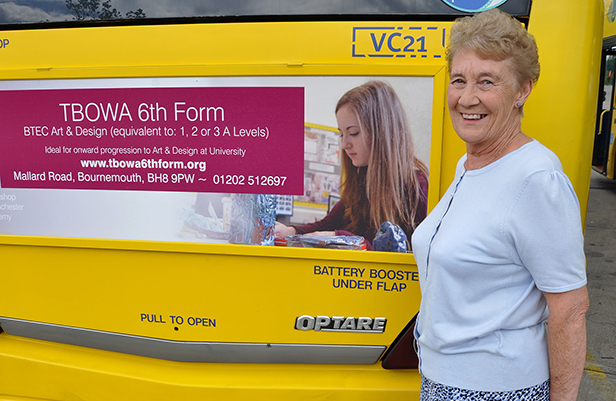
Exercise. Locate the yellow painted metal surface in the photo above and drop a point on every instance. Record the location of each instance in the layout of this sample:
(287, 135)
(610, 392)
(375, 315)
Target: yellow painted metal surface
(253, 293)
(561, 111)
(37, 370)
(214, 49)
(241, 293)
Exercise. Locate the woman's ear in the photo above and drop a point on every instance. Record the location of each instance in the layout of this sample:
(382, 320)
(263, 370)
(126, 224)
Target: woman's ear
(524, 92)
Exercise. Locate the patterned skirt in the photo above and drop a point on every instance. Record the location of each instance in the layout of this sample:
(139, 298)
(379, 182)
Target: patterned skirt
(432, 391)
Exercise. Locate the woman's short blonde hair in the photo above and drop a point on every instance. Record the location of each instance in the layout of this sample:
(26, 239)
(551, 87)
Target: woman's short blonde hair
(496, 35)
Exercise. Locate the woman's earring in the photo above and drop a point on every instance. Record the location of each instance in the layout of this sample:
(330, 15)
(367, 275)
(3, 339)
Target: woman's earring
(518, 104)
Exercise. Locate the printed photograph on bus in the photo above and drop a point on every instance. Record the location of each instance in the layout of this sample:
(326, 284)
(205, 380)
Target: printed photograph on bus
(208, 159)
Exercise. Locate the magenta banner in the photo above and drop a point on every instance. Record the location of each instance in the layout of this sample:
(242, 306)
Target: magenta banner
(214, 139)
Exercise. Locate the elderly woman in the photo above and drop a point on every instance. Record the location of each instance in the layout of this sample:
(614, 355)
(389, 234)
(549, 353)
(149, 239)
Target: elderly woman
(501, 260)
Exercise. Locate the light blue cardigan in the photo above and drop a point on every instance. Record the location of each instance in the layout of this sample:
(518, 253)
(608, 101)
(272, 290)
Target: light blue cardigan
(500, 236)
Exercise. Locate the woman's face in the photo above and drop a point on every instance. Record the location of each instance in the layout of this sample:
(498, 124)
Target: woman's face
(353, 140)
(482, 96)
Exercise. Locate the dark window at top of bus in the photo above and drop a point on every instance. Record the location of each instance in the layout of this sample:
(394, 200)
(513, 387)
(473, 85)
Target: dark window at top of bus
(40, 11)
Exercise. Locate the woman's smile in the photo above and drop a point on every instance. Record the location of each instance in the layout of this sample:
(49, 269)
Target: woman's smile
(473, 116)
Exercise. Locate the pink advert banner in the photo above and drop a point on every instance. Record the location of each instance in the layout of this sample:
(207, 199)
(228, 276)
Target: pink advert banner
(214, 139)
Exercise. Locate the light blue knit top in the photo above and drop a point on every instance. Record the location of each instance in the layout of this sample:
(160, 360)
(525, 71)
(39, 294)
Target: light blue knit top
(499, 237)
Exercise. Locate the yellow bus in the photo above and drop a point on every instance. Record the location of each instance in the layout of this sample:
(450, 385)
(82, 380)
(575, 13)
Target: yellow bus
(121, 283)
(604, 153)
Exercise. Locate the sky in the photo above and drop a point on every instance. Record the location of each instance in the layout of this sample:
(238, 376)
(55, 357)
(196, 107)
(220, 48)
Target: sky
(33, 11)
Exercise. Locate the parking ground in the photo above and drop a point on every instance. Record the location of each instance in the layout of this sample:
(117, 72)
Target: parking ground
(599, 381)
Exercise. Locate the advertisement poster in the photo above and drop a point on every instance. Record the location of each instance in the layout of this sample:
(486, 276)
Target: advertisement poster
(154, 139)
(140, 159)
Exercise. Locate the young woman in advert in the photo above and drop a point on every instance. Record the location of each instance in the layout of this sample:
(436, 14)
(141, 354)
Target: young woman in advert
(382, 178)
(500, 258)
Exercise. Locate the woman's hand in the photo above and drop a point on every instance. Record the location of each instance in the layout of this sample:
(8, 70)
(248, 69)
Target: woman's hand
(283, 231)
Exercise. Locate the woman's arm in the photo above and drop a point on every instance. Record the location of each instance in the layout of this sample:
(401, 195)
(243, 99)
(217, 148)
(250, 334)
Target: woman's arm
(334, 220)
(567, 342)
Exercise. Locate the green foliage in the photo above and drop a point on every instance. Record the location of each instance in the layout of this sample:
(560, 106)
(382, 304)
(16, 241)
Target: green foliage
(83, 10)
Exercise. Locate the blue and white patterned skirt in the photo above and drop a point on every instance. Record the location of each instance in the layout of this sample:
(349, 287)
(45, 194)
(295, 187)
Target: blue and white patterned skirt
(432, 391)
